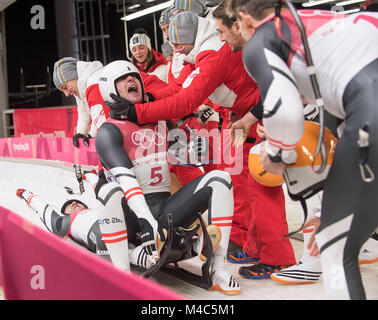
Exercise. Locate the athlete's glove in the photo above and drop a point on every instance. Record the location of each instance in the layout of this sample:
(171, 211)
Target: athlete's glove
(101, 181)
(77, 136)
(198, 149)
(311, 111)
(122, 109)
(150, 97)
(23, 194)
(149, 239)
(205, 114)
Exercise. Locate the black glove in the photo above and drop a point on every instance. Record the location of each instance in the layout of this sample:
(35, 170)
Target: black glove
(122, 109)
(150, 97)
(149, 239)
(205, 114)
(198, 149)
(101, 181)
(77, 136)
(86, 139)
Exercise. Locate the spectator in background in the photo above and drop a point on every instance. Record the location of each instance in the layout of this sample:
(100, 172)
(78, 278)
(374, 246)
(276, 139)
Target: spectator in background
(167, 51)
(80, 79)
(144, 57)
(164, 21)
(178, 71)
(196, 6)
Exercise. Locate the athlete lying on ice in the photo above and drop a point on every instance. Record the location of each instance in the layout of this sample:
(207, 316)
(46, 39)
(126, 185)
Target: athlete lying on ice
(81, 224)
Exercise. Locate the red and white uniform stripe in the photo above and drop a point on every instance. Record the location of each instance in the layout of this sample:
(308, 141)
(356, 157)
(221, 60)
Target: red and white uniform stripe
(114, 237)
(222, 221)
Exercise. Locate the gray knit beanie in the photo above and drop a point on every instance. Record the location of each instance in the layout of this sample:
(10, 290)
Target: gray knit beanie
(196, 6)
(64, 70)
(164, 17)
(183, 28)
(166, 49)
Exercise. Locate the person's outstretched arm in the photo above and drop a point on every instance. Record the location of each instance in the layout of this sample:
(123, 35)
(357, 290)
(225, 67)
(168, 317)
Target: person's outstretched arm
(55, 222)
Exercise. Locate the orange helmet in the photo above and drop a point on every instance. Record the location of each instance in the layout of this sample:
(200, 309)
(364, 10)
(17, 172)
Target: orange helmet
(258, 173)
(301, 180)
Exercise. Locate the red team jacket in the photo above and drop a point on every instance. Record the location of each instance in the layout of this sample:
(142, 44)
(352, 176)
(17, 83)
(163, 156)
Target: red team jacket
(219, 75)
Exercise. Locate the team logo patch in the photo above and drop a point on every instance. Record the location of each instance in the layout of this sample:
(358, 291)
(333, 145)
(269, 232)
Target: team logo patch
(190, 78)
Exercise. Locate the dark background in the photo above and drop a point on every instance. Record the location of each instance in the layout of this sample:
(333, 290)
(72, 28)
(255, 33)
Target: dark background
(34, 50)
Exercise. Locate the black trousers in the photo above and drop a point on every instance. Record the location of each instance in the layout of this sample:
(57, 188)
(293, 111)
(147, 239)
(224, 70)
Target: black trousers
(349, 208)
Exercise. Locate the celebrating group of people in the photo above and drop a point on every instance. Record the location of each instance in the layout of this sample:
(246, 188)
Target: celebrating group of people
(242, 70)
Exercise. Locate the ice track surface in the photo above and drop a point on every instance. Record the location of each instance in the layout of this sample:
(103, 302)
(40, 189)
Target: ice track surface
(48, 181)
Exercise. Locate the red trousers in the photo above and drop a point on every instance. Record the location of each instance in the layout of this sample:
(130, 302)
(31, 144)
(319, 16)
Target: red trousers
(259, 214)
(267, 225)
(185, 174)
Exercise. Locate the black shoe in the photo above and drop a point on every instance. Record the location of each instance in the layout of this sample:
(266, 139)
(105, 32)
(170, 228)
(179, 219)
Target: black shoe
(232, 248)
(241, 256)
(260, 271)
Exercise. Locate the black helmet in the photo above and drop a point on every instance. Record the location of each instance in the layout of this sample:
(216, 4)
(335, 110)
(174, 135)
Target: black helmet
(68, 202)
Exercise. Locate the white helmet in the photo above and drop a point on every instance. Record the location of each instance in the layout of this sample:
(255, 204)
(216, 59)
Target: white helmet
(113, 72)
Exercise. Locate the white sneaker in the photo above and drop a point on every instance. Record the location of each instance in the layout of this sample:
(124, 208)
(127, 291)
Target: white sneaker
(369, 252)
(366, 257)
(301, 273)
(223, 281)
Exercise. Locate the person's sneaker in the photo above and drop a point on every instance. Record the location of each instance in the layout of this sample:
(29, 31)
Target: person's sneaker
(301, 273)
(369, 251)
(259, 271)
(223, 281)
(241, 256)
(366, 257)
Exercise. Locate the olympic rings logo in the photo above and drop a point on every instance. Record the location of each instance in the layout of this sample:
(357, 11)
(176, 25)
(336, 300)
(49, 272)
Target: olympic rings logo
(145, 138)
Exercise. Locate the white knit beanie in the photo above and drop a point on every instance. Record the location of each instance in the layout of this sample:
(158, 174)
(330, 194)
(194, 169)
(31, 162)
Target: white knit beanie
(140, 39)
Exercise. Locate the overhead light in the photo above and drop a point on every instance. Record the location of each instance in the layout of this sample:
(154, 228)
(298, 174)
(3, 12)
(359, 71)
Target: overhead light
(149, 10)
(351, 11)
(313, 3)
(348, 2)
(134, 6)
